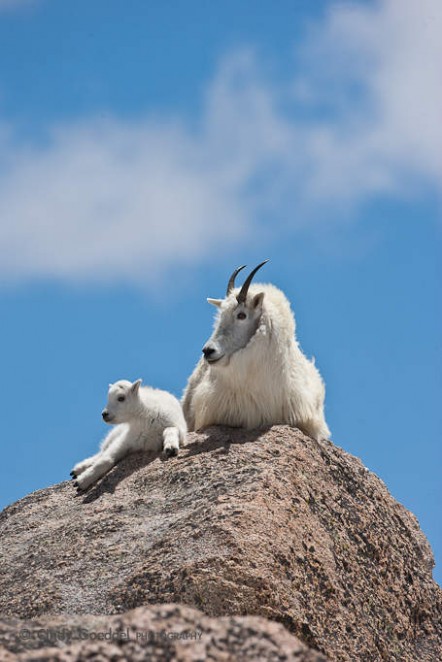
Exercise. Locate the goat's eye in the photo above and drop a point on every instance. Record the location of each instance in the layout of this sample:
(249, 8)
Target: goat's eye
(241, 316)
(121, 398)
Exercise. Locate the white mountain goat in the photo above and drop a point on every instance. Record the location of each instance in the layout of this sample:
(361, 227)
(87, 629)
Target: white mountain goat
(145, 418)
(253, 373)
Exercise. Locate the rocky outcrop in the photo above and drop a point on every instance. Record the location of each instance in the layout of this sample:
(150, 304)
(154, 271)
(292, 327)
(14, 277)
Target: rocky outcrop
(267, 523)
(157, 634)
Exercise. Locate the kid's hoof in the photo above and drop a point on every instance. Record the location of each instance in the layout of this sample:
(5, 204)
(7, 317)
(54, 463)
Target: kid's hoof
(170, 452)
(75, 484)
(73, 474)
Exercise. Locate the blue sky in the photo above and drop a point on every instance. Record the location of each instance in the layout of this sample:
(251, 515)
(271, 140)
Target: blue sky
(147, 149)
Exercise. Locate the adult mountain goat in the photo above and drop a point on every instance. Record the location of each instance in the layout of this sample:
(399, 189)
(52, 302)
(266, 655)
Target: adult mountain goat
(253, 372)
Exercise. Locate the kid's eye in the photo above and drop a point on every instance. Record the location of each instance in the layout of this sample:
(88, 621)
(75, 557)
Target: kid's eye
(121, 398)
(241, 316)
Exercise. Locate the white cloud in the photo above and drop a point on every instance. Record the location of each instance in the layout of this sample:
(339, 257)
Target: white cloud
(112, 200)
(378, 68)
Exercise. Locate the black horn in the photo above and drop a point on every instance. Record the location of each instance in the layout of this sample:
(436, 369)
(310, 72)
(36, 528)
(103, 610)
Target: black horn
(245, 288)
(231, 284)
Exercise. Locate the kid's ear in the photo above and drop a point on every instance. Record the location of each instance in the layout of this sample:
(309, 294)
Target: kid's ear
(136, 386)
(257, 300)
(215, 302)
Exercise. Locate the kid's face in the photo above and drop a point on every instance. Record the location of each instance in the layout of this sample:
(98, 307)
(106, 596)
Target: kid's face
(120, 401)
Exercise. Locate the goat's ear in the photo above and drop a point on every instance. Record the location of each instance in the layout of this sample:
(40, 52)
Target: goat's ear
(257, 300)
(136, 386)
(215, 302)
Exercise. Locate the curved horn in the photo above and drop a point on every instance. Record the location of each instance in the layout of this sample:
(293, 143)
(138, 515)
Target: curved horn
(231, 284)
(245, 288)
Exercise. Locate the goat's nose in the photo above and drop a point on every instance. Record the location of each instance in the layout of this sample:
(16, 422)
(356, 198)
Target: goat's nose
(208, 351)
(105, 414)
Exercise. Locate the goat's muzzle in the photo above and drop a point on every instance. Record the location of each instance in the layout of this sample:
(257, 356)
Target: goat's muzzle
(210, 354)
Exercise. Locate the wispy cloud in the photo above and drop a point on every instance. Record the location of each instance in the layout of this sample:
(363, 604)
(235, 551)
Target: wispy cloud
(376, 70)
(110, 200)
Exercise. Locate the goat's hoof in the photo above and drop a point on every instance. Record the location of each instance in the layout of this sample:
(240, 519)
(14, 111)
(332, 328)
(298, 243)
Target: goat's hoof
(170, 452)
(73, 474)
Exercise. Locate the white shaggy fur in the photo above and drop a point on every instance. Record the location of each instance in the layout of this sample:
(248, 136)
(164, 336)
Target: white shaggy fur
(254, 373)
(145, 419)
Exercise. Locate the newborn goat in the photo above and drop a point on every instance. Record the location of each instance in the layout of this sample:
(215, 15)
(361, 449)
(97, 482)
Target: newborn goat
(146, 419)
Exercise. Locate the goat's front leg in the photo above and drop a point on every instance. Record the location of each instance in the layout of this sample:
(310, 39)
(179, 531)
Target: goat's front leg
(105, 460)
(89, 461)
(171, 441)
(83, 465)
